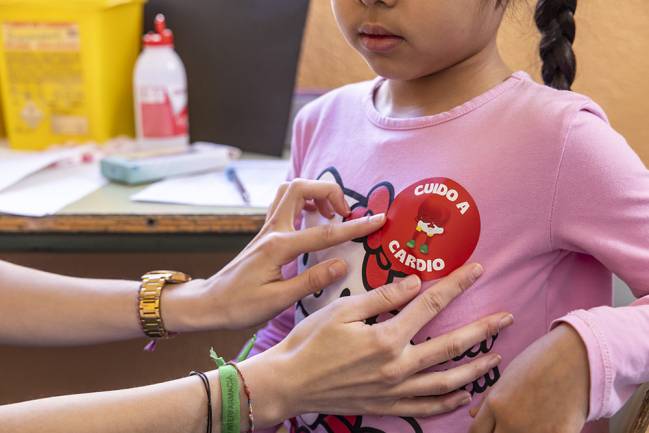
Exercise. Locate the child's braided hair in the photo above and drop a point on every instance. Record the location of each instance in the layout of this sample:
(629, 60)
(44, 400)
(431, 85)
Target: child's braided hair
(555, 19)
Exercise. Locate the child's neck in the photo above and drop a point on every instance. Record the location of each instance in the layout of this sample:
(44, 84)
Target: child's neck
(444, 89)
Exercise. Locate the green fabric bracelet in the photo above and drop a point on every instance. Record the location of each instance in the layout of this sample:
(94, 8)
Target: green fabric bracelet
(230, 389)
(247, 348)
(230, 404)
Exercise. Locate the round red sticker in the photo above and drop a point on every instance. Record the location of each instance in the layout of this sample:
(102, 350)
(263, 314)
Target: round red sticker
(432, 228)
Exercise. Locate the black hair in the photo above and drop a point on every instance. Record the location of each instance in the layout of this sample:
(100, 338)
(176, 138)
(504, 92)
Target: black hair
(555, 19)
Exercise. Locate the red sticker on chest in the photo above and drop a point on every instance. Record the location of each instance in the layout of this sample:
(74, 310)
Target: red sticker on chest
(432, 228)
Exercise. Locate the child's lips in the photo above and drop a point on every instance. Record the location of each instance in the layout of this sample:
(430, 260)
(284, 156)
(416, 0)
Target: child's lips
(380, 43)
(377, 38)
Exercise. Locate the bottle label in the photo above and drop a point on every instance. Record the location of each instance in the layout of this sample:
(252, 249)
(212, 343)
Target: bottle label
(163, 111)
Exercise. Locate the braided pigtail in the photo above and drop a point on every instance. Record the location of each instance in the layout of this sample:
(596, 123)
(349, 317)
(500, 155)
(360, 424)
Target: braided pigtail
(555, 19)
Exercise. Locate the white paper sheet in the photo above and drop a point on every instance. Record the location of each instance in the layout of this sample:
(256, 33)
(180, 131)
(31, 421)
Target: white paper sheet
(50, 190)
(261, 179)
(15, 165)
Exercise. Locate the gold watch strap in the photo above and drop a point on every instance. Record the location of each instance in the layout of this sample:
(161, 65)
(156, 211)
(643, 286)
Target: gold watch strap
(149, 300)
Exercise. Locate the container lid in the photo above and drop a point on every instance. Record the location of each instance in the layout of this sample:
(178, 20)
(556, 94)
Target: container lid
(54, 4)
(162, 37)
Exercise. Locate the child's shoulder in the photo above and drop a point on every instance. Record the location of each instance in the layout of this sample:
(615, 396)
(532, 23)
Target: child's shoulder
(539, 102)
(339, 100)
(567, 119)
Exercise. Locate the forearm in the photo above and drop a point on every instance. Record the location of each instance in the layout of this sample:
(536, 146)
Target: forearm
(40, 308)
(170, 407)
(173, 407)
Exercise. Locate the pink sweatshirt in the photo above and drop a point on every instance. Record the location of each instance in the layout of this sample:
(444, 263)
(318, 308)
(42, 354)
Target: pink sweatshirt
(531, 182)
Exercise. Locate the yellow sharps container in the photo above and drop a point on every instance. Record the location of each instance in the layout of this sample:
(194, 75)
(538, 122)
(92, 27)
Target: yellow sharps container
(66, 69)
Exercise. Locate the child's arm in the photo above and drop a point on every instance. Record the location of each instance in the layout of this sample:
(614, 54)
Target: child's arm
(274, 331)
(617, 341)
(601, 208)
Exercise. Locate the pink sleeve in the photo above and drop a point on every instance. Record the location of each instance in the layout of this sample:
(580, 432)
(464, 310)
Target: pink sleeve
(601, 208)
(274, 331)
(302, 131)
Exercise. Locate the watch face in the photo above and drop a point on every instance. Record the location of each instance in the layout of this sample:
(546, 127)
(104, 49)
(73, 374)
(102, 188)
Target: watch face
(169, 276)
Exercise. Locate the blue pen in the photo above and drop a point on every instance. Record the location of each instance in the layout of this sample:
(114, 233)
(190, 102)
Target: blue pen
(231, 173)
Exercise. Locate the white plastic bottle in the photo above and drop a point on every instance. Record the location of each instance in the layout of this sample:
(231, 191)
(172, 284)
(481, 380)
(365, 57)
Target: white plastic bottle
(160, 87)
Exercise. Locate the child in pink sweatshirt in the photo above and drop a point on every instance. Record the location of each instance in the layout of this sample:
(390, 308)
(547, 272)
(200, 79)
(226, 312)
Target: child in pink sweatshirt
(472, 162)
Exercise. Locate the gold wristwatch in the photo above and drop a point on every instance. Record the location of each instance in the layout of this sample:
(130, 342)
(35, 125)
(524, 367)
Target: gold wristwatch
(149, 300)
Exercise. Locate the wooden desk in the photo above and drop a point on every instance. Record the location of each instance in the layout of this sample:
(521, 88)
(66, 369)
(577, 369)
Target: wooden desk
(107, 220)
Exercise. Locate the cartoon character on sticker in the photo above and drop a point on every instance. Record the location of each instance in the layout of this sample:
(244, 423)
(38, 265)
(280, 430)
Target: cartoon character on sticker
(431, 219)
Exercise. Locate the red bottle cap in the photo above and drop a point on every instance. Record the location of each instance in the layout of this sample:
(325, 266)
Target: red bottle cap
(162, 37)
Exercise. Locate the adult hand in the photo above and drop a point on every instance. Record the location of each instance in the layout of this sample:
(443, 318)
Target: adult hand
(332, 362)
(250, 289)
(544, 389)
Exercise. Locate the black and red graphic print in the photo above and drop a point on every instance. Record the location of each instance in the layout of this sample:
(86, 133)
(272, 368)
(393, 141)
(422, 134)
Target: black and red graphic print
(319, 423)
(429, 223)
(368, 266)
(432, 229)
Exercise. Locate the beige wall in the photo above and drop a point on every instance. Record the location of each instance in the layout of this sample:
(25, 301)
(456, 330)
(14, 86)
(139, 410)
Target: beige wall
(612, 51)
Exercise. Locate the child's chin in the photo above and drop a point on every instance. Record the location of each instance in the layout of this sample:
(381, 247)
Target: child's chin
(391, 69)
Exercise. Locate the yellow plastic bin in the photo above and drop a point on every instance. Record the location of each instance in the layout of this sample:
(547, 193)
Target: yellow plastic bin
(3, 134)
(66, 69)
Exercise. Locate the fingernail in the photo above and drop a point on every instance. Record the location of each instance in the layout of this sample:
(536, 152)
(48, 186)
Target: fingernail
(477, 271)
(377, 218)
(411, 282)
(466, 399)
(337, 269)
(495, 360)
(505, 321)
